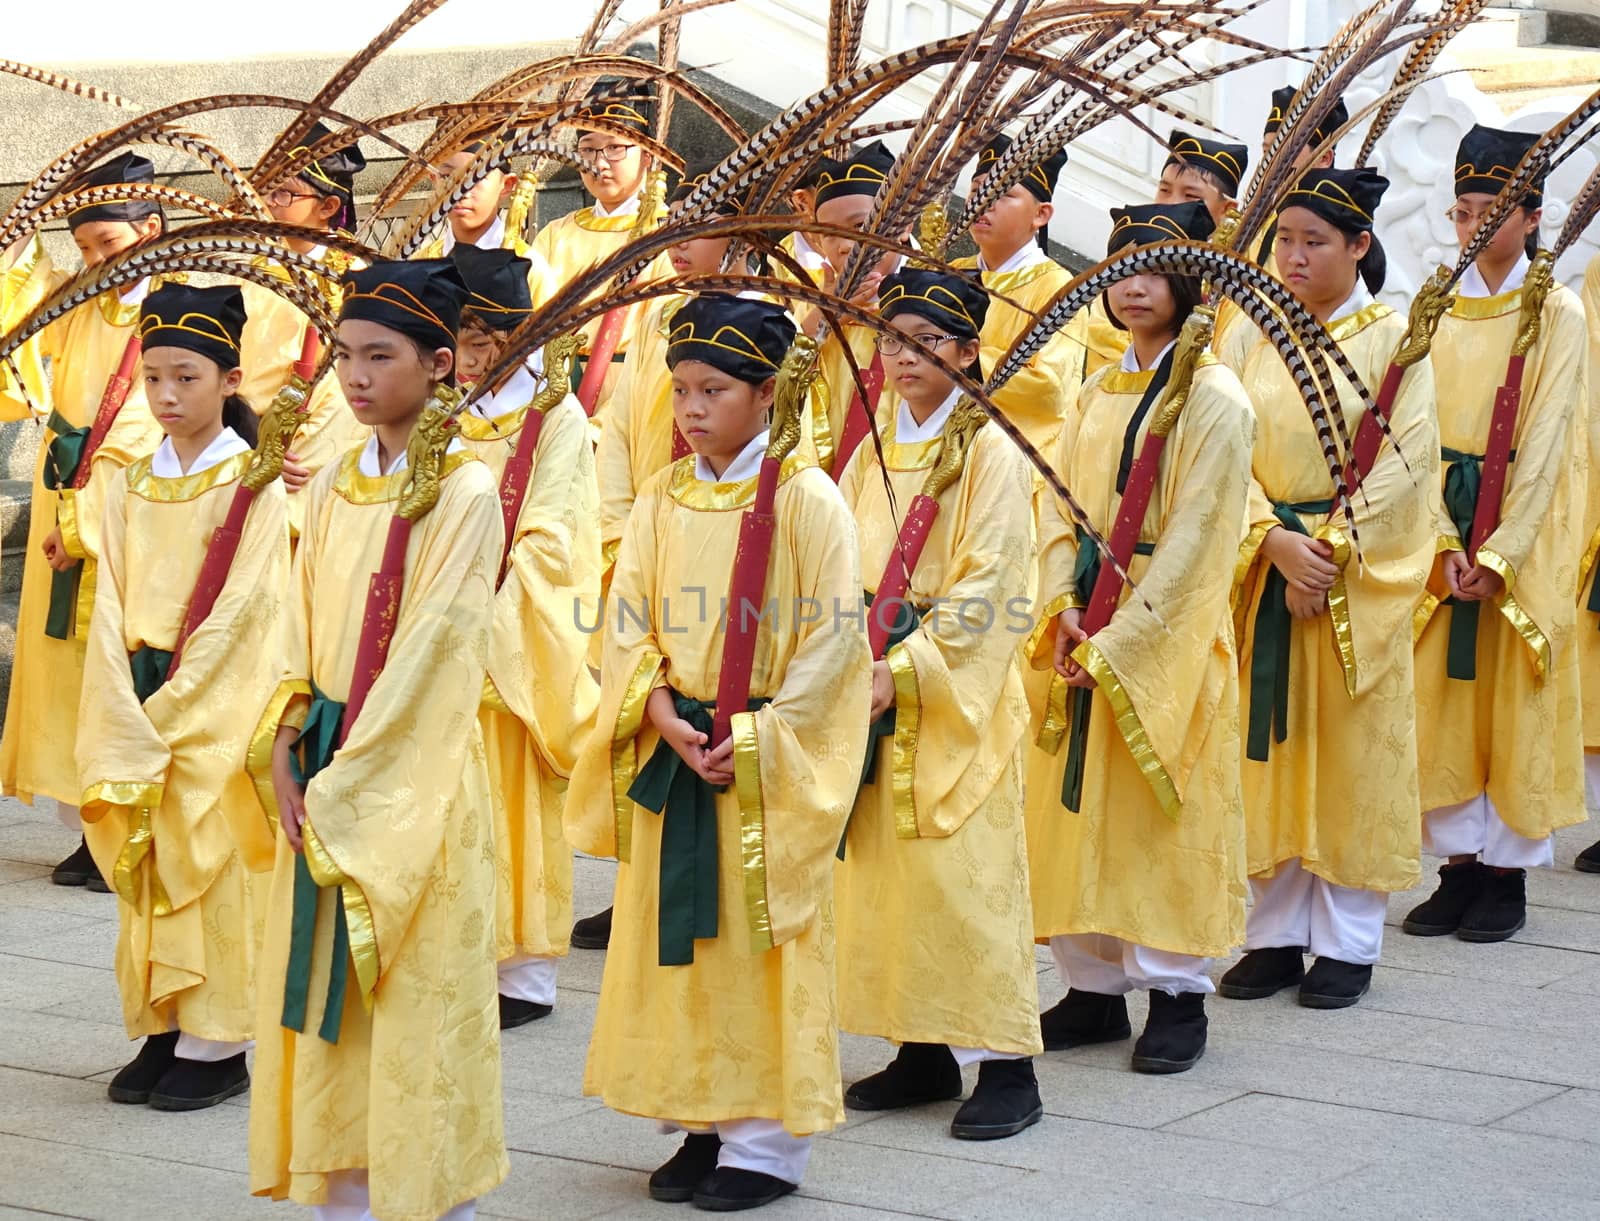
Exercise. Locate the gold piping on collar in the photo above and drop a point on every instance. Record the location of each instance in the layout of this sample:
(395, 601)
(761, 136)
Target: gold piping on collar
(705, 497)
(144, 483)
(359, 489)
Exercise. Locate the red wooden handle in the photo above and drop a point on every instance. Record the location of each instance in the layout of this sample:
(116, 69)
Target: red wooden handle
(1125, 533)
(858, 419)
(378, 621)
(1497, 456)
(214, 569)
(885, 609)
(111, 401)
(514, 483)
(1364, 451)
(310, 347)
(747, 589)
(600, 353)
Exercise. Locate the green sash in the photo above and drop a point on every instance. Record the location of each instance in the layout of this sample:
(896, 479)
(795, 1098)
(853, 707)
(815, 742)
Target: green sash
(907, 620)
(63, 454)
(149, 667)
(1084, 575)
(1462, 478)
(666, 785)
(313, 750)
(1269, 656)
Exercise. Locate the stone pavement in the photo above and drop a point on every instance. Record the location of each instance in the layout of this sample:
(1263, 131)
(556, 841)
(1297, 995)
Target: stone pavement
(1456, 1089)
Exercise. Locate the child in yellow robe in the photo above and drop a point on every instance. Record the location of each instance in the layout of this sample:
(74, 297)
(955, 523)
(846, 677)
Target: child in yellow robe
(377, 1082)
(717, 1012)
(540, 698)
(84, 350)
(1330, 771)
(321, 197)
(1499, 718)
(1588, 861)
(1143, 882)
(168, 807)
(935, 931)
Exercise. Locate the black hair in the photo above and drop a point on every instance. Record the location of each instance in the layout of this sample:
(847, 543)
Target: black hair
(238, 415)
(425, 355)
(1187, 297)
(1206, 175)
(1530, 244)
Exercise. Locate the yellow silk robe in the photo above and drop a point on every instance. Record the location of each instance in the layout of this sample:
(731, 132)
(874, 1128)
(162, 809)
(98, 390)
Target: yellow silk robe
(1105, 339)
(23, 286)
(1041, 393)
(827, 417)
(1156, 853)
(84, 348)
(401, 821)
(1516, 731)
(171, 774)
(540, 700)
(273, 332)
(1588, 638)
(750, 1028)
(935, 932)
(1340, 792)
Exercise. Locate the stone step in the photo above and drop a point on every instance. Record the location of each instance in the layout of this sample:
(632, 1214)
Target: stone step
(19, 448)
(15, 501)
(1512, 77)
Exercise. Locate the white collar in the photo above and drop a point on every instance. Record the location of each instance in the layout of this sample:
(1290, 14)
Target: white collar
(807, 255)
(628, 207)
(1358, 300)
(1130, 362)
(489, 239)
(1472, 283)
(746, 466)
(136, 294)
(517, 393)
(908, 432)
(1029, 255)
(164, 462)
(369, 456)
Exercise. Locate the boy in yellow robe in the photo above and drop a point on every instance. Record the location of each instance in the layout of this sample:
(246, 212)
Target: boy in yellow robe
(935, 931)
(803, 202)
(717, 1012)
(1136, 829)
(1499, 718)
(615, 174)
(168, 807)
(84, 349)
(1330, 771)
(322, 196)
(377, 1083)
(540, 698)
(1588, 861)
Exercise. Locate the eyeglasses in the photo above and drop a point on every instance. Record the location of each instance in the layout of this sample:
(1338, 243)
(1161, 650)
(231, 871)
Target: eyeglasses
(893, 345)
(611, 152)
(282, 197)
(1457, 215)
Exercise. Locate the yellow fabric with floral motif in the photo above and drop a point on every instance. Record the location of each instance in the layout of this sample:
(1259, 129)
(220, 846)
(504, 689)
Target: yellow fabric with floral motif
(401, 818)
(1588, 636)
(1351, 712)
(1155, 854)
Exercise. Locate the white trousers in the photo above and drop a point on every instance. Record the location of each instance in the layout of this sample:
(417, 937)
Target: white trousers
(977, 1055)
(1096, 962)
(1474, 828)
(529, 977)
(1295, 907)
(1591, 776)
(192, 1047)
(349, 1200)
(755, 1144)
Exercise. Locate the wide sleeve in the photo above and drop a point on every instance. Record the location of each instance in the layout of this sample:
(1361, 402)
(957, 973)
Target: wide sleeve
(959, 704)
(122, 757)
(1591, 526)
(1057, 559)
(1038, 397)
(22, 286)
(599, 812)
(797, 761)
(133, 434)
(1164, 672)
(539, 648)
(376, 815)
(613, 454)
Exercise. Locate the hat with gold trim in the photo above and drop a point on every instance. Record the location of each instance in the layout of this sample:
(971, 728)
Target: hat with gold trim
(744, 337)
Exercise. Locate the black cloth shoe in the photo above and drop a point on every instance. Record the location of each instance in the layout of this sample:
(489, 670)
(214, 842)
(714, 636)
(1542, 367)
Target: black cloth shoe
(676, 1178)
(1005, 1101)
(78, 869)
(1332, 984)
(919, 1073)
(1174, 1035)
(517, 1012)
(1083, 1018)
(194, 1085)
(592, 932)
(727, 1189)
(1441, 913)
(1264, 972)
(139, 1076)
(1588, 861)
(1501, 908)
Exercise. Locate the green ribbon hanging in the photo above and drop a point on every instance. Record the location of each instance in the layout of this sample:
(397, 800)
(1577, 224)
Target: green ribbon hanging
(63, 454)
(907, 619)
(1269, 651)
(149, 669)
(1462, 479)
(1084, 575)
(313, 750)
(666, 785)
